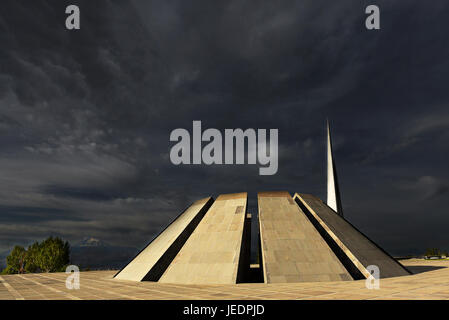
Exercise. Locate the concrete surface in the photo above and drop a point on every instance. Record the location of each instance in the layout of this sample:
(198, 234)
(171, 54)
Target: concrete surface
(292, 249)
(152, 261)
(356, 246)
(430, 282)
(212, 253)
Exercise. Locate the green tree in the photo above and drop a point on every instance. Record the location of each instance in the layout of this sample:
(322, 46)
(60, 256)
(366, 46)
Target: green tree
(15, 262)
(53, 255)
(433, 252)
(31, 262)
(8, 270)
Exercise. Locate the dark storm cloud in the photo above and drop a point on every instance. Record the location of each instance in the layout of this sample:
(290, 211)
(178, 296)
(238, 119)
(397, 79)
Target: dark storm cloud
(29, 214)
(85, 116)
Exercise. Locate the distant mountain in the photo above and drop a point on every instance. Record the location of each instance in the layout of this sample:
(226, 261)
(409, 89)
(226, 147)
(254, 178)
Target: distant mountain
(94, 254)
(91, 242)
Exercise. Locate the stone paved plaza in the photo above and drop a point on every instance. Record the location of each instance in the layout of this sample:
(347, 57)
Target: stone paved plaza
(429, 281)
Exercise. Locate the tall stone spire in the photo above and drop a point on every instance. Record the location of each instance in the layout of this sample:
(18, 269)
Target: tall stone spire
(333, 192)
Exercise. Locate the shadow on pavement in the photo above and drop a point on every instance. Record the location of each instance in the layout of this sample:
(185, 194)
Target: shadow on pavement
(421, 269)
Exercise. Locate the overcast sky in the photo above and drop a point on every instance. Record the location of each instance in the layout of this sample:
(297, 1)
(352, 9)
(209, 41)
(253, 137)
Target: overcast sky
(85, 116)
